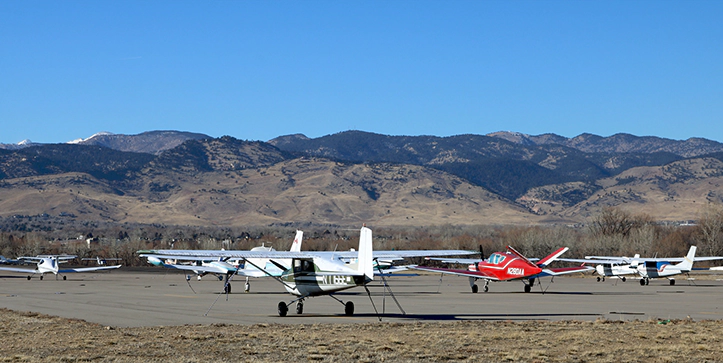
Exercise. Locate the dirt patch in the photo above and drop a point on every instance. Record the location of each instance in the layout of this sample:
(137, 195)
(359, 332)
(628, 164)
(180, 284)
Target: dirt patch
(35, 337)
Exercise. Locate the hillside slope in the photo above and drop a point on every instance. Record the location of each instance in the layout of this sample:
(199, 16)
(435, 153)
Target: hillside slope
(297, 190)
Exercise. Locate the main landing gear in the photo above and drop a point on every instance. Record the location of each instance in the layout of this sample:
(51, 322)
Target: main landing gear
(474, 286)
(646, 281)
(283, 308)
(227, 284)
(528, 286)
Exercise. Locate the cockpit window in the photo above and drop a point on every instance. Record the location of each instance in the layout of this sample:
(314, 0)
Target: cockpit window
(302, 265)
(496, 258)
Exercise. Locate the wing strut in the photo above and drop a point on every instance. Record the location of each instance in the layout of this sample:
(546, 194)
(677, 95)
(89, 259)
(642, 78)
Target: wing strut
(188, 281)
(387, 287)
(372, 300)
(225, 289)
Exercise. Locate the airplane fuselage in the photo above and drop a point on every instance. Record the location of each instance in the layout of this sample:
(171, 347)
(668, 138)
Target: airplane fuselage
(46, 265)
(313, 278)
(505, 266)
(652, 269)
(615, 270)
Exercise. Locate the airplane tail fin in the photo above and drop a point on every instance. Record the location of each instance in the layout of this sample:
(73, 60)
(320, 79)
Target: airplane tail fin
(296, 245)
(687, 263)
(518, 254)
(366, 253)
(552, 257)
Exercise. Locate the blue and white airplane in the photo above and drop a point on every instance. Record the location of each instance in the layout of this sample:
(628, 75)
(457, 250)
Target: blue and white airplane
(646, 268)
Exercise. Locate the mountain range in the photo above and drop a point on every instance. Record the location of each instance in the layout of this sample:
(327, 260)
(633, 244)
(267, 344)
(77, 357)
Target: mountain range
(353, 177)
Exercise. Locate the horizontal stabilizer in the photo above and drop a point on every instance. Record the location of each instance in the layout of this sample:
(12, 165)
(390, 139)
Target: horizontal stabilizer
(552, 257)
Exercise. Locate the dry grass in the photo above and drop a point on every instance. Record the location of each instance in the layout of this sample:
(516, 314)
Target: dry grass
(40, 338)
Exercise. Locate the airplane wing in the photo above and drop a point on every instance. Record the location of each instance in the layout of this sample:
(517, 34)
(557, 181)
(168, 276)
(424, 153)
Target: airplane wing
(201, 254)
(18, 269)
(87, 269)
(391, 255)
(209, 269)
(466, 273)
(596, 261)
(563, 270)
(391, 270)
(40, 257)
(628, 260)
(465, 261)
(705, 258)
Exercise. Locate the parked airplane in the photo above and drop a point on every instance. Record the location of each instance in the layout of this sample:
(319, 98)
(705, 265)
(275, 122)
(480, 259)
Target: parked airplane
(227, 267)
(50, 264)
(646, 268)
(505, 266)
(613, 267)
(316, 273)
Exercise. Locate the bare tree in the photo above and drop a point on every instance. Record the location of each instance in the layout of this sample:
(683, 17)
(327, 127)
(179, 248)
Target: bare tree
(710, 231)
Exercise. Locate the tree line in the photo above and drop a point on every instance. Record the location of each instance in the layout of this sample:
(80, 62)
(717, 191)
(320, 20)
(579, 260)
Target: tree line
(613, 232)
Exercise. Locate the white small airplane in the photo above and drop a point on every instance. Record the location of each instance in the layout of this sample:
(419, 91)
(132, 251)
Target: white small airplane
(50, 264)
(612, 267)
(316, 273)
(646, 268)
(228, 267)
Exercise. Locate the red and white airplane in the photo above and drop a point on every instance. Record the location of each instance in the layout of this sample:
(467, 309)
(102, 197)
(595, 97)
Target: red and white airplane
(505, 266)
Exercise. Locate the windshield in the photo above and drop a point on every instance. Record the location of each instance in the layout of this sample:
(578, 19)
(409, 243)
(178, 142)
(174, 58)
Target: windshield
(496, 258)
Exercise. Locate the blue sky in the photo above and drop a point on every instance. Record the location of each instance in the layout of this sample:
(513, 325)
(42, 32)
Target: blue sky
(260, 69)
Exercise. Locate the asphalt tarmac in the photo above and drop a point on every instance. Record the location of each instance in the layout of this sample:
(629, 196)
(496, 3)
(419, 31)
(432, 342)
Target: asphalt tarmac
(157, 297)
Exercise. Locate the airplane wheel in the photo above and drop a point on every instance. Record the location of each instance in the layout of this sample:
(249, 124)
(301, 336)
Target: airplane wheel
(672, 282)
(642, 282)
(475, 288)
(647, 281)
(283, 309)
(220, 278)
(299, 308)
(349, 308)
(227, 289)
(528, 288)
(598, 279)
(486, 288)
(623, 278)
(247, 287)
(65, 277)
(28, 278)
(41, 277)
